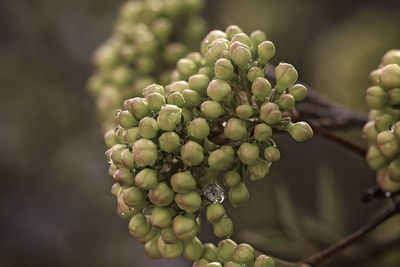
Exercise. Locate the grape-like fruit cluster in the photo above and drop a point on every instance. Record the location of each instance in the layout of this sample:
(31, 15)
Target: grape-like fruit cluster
(382, 131)
(176, 146)
(148, 39)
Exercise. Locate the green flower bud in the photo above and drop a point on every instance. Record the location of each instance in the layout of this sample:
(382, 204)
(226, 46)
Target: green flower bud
(390, 76)
(183, 182)
(145, 64)
(186, 68)
(170, 251)
(374, 76)
(184, 227)
(112, 169)
(139, 225)
(200, 263)
(214, 264)
(248, 153)
(235, 129)
(130, 135)
(266, 50)
(224, 69)
(261, 88)
(154, 233)
(169, 142)
(193, 249)
(169, 117)
(369, 132)
(391, 57)
(208, 71)
(383, 123)
(121, 75)
(388, 144)
(239, 195)
(218, 90)
(286, 102)
(396, 129)
(173, 52)
(115, 189)
(192, 153)
(225, 249)
(286, 75)
(394, 170)
(110, 138)
(138, 106)
(231, 179)
(243, 253)
(161, 195)
(106, 56)
(210, 252)
(152, 250)
(187, 115)
(162, 28)
(138, 86)
(376, 97)
(161, 217)
(189, 202)
(148, 127)
(298, 91)
(244, 111)
(262, 132)
(300, 131)
(198, 129)
(146, 152)
(240, 54)
(254, 73)
(232, 30)
(270, 113)
(199, 83)
(211, 36)
(195, 57)
(215, 212)
(394, 96)
(114, 154)
(176, 99)
(272, 154)
(133, 197)
(212, 109)
(123, 210)
(242, 38)
(156, 101)
(217, 48)
(126, 119)
(259, 170)
(146, 179)
(223, 228)
(264, 261)
(192, 98)
(232, 264)
(123, 176)
(375, 158)
(385, 183)
(168, 236)
(220, 159)
(178, 86)
(257, 37)
(153, 88)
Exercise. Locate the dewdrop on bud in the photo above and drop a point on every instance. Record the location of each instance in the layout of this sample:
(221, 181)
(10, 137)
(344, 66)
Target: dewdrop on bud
(270, 113)
(235, 129)
(243, 253)
(388, 144)
(239, 195)
(262, 132)
(139, 225)
(215, 212)
(148, 127)
(168, 117)
(300, 131)
(189, 202)
(161, 195)
(286, 75)
(146, 152)
(376, 97)
(218, 90)
(176, 99)
(286, 102)
(225, 249)
(184, 227)
(375, 158)
(151, 249)
(259, 170)
(210, 252)
(170, 251)
(224, 69)
(264, 261)
(266, 50)
(254, 73)
(192, 153)
(198, 129)
(223, 228)
(156, 101)
(212, 109)
(248, 153)
(390, 76)
(133, 197)
(139, 107)
(240, 54)
(161, 217)
(146, 179)
(231, 179)
(193, 249)
(272, 154)
(199, 83)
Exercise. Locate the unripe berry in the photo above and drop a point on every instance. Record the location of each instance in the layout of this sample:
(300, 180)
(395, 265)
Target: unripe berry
(286, 75)
(192, 153)
(184, 227)
(248, 153)
(151, 249)
(394, 170)
(244, 111)
(239, 195)
(231, 30)
(286, 102)
(272, 154)
(224, 69)
(223, 228)
(170, 251)
(192, 98)
(169, 142)
(300, 131)
(186, 68)
(212, 109)
(189, 202)
(215, 212)
(262, 132)
(133, 197)
(266, 50)
(270, 113)
(225, 249)
(138, 106)
(240, 54)
(235, 129)
(168, 236)
(375, 158)
(126, 119)
(127, 159)
(376, 97)
(243, 253)
(146, 152)
(156, 101)
(388, 144)
(153, 88)
(168, 117)
(254, 73)
(161, 195)
(199, 83)
(161, 217)
(123, 176)
(298, 91)
(193, 249)
(146, 179)
(198, 129)
(264, 261)
(259, 169)
(390, 76)
(218, 89)
(139, 225)
(231, 179)
(210, 252)
(148, 127)
(176, 99)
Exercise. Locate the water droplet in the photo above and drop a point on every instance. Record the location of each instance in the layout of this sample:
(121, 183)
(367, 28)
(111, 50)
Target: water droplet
(224, 123)
(214, 193)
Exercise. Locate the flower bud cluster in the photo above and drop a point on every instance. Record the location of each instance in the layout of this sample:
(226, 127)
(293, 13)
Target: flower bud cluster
(148, 39)
(382, 131)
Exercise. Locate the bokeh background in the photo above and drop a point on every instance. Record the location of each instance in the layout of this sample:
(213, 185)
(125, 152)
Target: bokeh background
(55, 205)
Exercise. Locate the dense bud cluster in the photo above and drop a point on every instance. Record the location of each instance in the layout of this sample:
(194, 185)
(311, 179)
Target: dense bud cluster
(176, 146)
(149, 37)
(382, 131)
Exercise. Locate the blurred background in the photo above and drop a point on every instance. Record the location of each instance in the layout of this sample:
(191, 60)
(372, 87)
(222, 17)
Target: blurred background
(55, 205)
